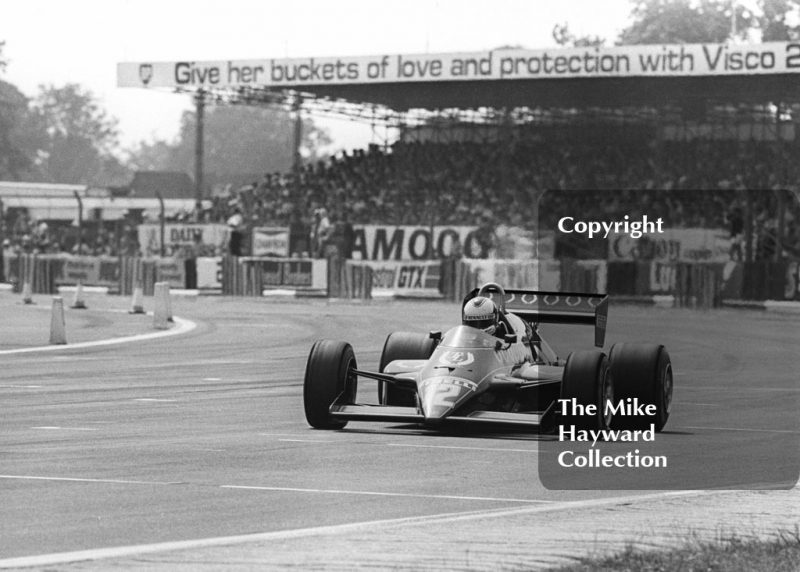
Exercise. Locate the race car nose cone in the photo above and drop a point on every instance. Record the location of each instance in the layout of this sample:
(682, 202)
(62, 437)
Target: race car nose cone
(440, 396)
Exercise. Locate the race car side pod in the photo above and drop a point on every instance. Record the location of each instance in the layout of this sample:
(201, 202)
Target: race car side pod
(58, 333)
(162, 311)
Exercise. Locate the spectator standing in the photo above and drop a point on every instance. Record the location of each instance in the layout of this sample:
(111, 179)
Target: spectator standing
(236, 224)
(320, 232)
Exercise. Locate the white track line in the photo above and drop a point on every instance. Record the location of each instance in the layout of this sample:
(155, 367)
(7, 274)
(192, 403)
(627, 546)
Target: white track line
(497, 449)
(744, 429)
(182, 326)
(380, 494)
(69, 428)
(138, 550)
(274, 489)
(78, 480)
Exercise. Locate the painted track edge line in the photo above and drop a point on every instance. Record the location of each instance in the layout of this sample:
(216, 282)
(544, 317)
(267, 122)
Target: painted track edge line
(137, 550)
(183, 326)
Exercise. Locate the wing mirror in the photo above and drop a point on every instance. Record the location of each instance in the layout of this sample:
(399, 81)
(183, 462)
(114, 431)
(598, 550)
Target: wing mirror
(510, 338)
(435, 335)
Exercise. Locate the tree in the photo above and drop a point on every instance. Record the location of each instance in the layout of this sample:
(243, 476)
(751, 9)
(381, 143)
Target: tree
(16, 137)
(18, 140)
(565, 38)
(80, 140)
(237, 139)
(686, 22)
(773, 22)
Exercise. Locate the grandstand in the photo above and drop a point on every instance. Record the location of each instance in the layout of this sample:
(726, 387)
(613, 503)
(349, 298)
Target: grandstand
(481, 137)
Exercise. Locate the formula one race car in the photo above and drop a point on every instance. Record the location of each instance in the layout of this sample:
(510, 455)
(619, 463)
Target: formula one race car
(469, 376)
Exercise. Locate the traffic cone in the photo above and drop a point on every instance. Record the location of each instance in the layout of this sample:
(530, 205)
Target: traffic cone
(160, 316)
(137, 305)
(77, 302)
(27, 293)
(58, 333)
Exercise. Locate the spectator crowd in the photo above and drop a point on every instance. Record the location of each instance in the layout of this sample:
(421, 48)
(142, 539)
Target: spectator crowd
(487, 184)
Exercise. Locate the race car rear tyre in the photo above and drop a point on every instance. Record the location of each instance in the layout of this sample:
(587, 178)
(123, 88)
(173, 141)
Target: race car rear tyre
(402, 345)
(328, 375)
(587, 379)
(642, 372)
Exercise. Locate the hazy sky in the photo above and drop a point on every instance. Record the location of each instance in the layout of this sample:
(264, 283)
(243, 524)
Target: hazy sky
(81, 41)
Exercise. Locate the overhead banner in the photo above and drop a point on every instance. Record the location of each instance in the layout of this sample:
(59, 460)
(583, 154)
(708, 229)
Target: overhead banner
(615, 61)
(270, 241)
(190, 240)
(673, 245)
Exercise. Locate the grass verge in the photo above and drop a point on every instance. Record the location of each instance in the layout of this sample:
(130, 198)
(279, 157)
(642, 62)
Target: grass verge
(734, 554)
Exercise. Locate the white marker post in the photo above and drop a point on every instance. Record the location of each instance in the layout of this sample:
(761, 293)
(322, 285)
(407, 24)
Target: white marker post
(58, 332)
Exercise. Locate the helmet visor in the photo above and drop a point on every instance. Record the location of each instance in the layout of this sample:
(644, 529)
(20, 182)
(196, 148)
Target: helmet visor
(480, 322)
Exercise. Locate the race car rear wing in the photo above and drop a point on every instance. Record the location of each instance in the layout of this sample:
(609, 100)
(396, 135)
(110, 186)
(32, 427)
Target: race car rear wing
(557, 308)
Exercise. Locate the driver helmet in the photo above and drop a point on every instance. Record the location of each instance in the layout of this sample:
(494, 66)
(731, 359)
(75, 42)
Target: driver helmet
(481, 313)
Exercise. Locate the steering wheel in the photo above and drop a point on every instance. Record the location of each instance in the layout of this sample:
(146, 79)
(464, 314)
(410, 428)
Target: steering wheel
(495, 287)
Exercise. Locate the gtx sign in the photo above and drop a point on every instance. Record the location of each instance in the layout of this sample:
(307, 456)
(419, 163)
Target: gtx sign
(393, 275)
(378, 242)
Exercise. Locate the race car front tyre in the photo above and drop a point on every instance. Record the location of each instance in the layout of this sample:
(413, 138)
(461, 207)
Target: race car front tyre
(328, 375)
(402, 345)
(642, 372)
(588, 381)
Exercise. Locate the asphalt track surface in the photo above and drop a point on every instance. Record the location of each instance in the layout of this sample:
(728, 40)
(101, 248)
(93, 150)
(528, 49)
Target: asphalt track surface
(176, 445)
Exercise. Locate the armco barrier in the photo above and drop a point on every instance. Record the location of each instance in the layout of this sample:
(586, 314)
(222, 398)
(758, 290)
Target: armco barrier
(347, 279)
(765, 281)
(242, 276)
(120, 274)
(698, 285)
(690, 284)
(250, 276)
(583, 276)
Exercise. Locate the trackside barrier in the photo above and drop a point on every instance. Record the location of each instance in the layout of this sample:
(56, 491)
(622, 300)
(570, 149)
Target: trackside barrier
(452, 277)
(240, 278)
(767, 281)
(347, 279)
(583, 276)
(31, 269)
(690, 284)
(698, 286)
(137, 271)
(251, 276)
